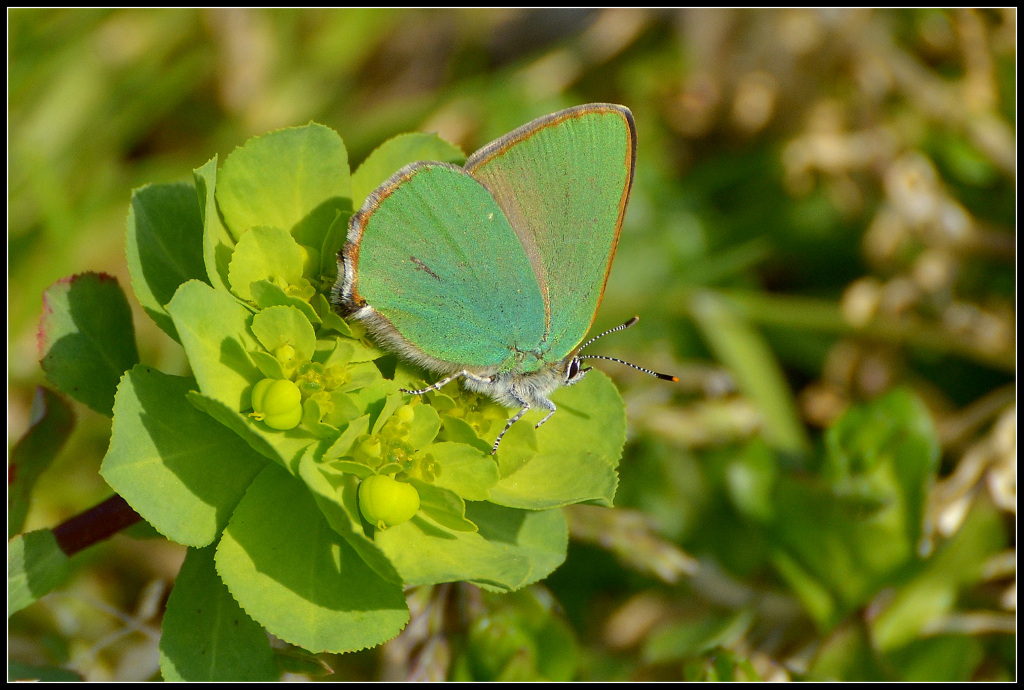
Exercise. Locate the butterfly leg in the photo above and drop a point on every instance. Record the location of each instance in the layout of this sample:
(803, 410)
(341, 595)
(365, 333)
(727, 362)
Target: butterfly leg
(439, 384)
(550, 407)
(544, 402)
(509, 423)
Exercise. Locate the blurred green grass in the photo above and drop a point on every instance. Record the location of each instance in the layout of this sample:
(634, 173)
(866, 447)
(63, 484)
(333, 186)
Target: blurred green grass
(844, 179)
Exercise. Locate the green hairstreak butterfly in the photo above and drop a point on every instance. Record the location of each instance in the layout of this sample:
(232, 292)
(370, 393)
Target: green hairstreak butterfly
(493, 272)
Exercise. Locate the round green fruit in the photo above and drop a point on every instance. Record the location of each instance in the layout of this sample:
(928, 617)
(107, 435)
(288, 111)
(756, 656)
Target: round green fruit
(386, 502)
(278, 402)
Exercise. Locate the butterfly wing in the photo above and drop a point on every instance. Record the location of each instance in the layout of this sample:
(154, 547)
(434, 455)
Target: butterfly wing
(432, 253)
(563, 181)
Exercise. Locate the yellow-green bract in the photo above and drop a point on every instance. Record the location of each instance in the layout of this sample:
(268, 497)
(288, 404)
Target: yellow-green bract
(493, 272)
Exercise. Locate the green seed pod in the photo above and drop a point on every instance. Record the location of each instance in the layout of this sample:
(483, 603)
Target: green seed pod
(385, 502)
(278, 403)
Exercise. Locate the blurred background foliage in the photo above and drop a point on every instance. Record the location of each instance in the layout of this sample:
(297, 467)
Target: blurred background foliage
(824, 210)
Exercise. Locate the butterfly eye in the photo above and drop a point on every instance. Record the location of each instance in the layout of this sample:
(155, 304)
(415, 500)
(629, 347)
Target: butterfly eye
(575, 371)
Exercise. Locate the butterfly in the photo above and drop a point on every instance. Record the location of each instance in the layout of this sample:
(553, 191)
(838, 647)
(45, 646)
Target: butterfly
(493, 272)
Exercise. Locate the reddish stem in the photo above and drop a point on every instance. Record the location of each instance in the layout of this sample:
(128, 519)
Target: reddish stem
(94, 525)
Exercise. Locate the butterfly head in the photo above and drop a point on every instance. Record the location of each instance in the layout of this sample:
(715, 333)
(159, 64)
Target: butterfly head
(574, 371)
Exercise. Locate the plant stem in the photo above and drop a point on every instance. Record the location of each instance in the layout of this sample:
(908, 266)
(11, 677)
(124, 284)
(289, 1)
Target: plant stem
(94, 525)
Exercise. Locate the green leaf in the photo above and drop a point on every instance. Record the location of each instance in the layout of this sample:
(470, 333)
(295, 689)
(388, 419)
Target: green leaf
(283, 447)
(343, 445)
(501, 646)
(294, 574)
(349, 467)
(313, 415)
(332, 350)
(334, 240)
(397, 152)
(292, 659)
(218, 245)
(331, 320)
(894, 434)
(51, 422)
(579, 446)
(364, 350)
(371, 395)
(824, 606)
(949, 658)
(296, 179)
(444, 507)
(267, 294)
(846, 654)
(458, 430)
(512, 548)
(35, 566)
(750, 479)
(678, 641)
(542, 536)
(268, 365)
(424, 427)
(164, 246)
(278, 326)
(214, 331)
(86, 338)
(741, 348)
(933, 592)
(855, 528)
(391, 403)
(265, 253)
(519, 636)
(335, 494)
(175, 466)
(466, 470)
(206, 636)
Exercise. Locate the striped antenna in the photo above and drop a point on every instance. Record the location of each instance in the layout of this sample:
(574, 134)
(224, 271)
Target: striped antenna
(622, 327)
(632, 321)
(663, 377)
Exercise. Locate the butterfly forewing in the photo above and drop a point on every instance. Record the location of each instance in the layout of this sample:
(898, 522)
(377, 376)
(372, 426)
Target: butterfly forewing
(563, 182)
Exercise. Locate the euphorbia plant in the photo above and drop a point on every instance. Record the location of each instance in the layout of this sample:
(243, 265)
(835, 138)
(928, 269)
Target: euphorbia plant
(309, 489)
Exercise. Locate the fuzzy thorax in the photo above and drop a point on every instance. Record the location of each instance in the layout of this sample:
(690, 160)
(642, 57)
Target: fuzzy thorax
(517, 389)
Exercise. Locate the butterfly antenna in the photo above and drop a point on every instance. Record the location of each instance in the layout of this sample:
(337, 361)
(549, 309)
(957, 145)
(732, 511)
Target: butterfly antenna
(632, 321)
(621, 327)
(663, 377)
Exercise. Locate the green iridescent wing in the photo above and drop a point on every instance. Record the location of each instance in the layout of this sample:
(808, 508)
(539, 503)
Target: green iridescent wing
(438, 259)
(563, 181)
